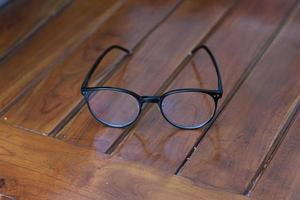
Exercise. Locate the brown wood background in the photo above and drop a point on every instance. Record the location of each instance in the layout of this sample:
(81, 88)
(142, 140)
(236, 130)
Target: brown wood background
(52, 148)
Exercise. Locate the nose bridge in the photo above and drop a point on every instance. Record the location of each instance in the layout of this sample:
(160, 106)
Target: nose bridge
(150, 99)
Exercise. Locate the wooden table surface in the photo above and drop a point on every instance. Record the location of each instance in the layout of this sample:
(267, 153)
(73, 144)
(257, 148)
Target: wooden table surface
(52, 148)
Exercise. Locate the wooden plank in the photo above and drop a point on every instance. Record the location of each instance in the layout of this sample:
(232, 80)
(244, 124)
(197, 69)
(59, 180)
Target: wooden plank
(23, 68)
(281, 179)
(20, 19)
(154, 141)
(113, 184)
(151, 65)
(46, 155)
(236, 145)
(43, 101)
(31, 168)
(21, 183)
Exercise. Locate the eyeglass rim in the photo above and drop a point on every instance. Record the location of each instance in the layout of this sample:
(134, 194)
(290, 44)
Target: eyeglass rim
(215, 94)
(89, 91)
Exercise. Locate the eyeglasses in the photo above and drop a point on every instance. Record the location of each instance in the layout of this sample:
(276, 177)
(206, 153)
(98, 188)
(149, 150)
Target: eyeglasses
(188, 108)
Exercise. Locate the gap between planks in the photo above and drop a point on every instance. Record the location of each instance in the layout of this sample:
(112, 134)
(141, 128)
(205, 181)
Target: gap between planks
(291, 117)
(241, 80)
(169, 80)
(112, 71)
(35, 28)
(40, 76)
(45, 165)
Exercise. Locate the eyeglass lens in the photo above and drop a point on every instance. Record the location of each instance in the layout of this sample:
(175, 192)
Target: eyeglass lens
(113, 108)
(188, 109)
(184, 109)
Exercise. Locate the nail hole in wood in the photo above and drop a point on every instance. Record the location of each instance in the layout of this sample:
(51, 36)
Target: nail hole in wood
(2, 182)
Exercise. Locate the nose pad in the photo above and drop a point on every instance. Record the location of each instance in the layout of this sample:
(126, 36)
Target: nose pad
(157, 107)
(144, 105)
(157, 118)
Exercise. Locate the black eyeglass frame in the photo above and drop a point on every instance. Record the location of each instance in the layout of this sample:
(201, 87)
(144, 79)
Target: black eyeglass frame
(215, 94)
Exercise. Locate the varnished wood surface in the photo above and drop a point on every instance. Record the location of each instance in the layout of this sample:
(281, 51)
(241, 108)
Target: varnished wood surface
(147, 70)
(281, 180)
(240, 139)
(50, 45)
(42, 99)
(36, 167)
(250, 148)
(157, 143)
(20, 19)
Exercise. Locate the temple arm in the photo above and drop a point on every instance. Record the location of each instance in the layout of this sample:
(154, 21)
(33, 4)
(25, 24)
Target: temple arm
(220, 85)
(97, 62)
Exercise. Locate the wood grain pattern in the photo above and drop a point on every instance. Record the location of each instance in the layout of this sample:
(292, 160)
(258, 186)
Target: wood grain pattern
(31, 168)
(251, 147)
(49, 45)
(22, 183)
(230, 154)
(151, 65)
(153, 141)
(20, 19)
(126, 182)
(281, 179)
(59, 92)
